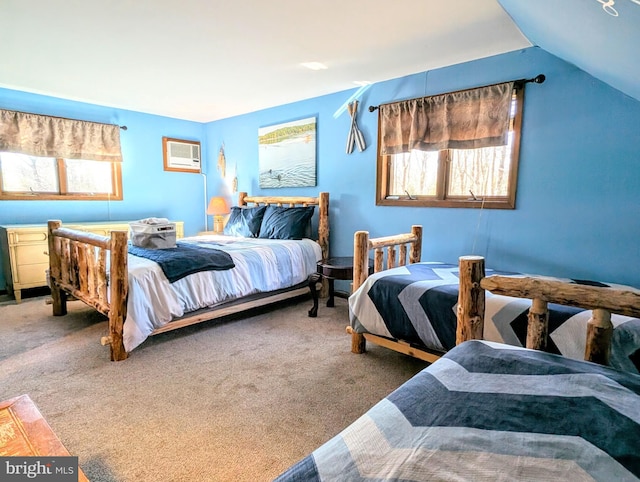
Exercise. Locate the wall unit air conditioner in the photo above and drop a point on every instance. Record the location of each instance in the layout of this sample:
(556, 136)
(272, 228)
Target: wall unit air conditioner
(181, 155)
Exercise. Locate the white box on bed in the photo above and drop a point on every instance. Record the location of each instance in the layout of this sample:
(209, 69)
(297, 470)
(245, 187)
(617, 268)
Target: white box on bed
(153, 236)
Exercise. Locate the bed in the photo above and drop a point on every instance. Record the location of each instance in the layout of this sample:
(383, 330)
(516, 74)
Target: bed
(491, 411)
(422, 308)
(139, 300)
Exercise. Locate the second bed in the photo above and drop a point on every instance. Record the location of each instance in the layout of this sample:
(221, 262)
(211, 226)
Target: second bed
(412, 307)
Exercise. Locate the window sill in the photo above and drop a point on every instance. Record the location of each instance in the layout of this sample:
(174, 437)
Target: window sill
(447, 203)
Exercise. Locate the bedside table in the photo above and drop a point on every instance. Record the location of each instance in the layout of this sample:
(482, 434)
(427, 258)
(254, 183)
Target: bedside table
(337, 268)
(208, 233)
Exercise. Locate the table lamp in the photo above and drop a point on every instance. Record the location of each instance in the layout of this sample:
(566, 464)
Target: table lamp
(218, 207)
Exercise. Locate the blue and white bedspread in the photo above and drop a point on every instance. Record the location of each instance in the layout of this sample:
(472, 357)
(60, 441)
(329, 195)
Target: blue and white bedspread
(261, 265)
(488, 411)
(417, 303)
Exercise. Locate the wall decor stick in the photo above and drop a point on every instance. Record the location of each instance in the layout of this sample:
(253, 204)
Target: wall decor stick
(222, 162)
(355, 134)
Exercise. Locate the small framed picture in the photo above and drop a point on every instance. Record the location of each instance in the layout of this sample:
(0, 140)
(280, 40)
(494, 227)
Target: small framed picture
(181, 155)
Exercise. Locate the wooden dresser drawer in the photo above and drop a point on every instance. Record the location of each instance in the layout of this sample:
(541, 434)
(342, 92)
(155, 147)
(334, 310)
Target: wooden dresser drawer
(31, 254)
(31, 274)
(28, 236)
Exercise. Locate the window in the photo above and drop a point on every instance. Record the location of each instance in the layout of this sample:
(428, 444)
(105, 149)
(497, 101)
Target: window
(423, 173)
(31, 177)
(44, 157)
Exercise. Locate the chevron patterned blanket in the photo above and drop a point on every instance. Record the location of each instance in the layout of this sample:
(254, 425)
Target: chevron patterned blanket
(417, 303)
(490, 411)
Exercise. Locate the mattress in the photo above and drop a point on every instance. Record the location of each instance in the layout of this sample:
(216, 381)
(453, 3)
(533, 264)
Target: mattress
(261, 265)
(417, 303)
(488, 411)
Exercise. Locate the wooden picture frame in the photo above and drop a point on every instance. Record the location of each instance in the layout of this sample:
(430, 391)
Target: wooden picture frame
(181, 155)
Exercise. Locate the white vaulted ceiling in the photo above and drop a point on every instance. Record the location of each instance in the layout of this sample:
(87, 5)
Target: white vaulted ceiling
(204, 60)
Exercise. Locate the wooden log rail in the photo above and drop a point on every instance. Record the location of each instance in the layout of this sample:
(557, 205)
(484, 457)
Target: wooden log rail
(603, 301)
(78, 266)
(396, 250)
(397, 247)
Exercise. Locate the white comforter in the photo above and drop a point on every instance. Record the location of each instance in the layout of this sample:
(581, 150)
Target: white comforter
(260, 265)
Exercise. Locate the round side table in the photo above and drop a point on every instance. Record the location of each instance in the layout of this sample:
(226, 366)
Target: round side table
(337, 268)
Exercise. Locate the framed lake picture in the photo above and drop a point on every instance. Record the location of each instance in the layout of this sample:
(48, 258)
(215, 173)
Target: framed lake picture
(287, 154)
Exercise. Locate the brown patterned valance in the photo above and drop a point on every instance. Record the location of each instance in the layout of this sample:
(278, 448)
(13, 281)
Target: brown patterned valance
(466, 119)
(45, 136)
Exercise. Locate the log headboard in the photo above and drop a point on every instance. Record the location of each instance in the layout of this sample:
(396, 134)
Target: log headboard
(396, 252)
(322, 201)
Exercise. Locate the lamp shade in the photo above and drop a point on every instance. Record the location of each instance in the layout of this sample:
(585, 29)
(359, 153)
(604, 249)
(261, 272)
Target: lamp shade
(218, 206)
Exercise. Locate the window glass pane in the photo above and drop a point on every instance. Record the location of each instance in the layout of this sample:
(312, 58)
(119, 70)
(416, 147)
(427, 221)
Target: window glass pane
(88, 177)
(483, 172)
(22, 173)
(415, 173)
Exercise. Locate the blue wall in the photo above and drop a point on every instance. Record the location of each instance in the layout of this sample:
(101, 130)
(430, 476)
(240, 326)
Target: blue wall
(577, 213)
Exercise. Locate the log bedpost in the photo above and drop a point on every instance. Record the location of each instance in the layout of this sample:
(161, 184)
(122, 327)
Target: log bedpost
(323, 223)
(58, 296)
(360, 273)
(599, 333)
(323, 234)
(416, 247)
(471, 297)
(119, 285)
(361, 258)
(538, 325)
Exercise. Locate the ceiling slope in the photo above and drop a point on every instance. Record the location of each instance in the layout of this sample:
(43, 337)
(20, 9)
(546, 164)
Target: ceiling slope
(599, 37)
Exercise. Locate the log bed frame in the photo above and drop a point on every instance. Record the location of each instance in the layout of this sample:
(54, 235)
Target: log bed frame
(603, 301)
(78, 264)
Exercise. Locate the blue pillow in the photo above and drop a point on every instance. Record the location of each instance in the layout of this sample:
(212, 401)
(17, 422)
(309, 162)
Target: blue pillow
(286, 223)
(245, 222)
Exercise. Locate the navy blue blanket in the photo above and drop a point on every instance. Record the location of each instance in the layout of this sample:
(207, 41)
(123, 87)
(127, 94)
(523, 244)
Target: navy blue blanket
(185, 259)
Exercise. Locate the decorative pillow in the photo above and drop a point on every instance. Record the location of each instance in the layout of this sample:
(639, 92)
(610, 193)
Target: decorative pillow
(286, 223)
(245, 221)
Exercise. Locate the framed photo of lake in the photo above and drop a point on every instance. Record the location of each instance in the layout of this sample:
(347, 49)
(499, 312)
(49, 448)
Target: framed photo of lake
(287, 154)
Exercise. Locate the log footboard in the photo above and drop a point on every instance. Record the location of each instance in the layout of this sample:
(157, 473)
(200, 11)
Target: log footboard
(602, 300)
(389, 251)
(93, 269)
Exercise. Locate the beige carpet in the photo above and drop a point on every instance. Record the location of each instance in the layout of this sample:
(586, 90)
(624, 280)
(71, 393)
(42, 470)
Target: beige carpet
(239, 400)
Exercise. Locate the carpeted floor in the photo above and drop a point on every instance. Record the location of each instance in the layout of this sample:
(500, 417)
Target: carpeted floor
(239, 400)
